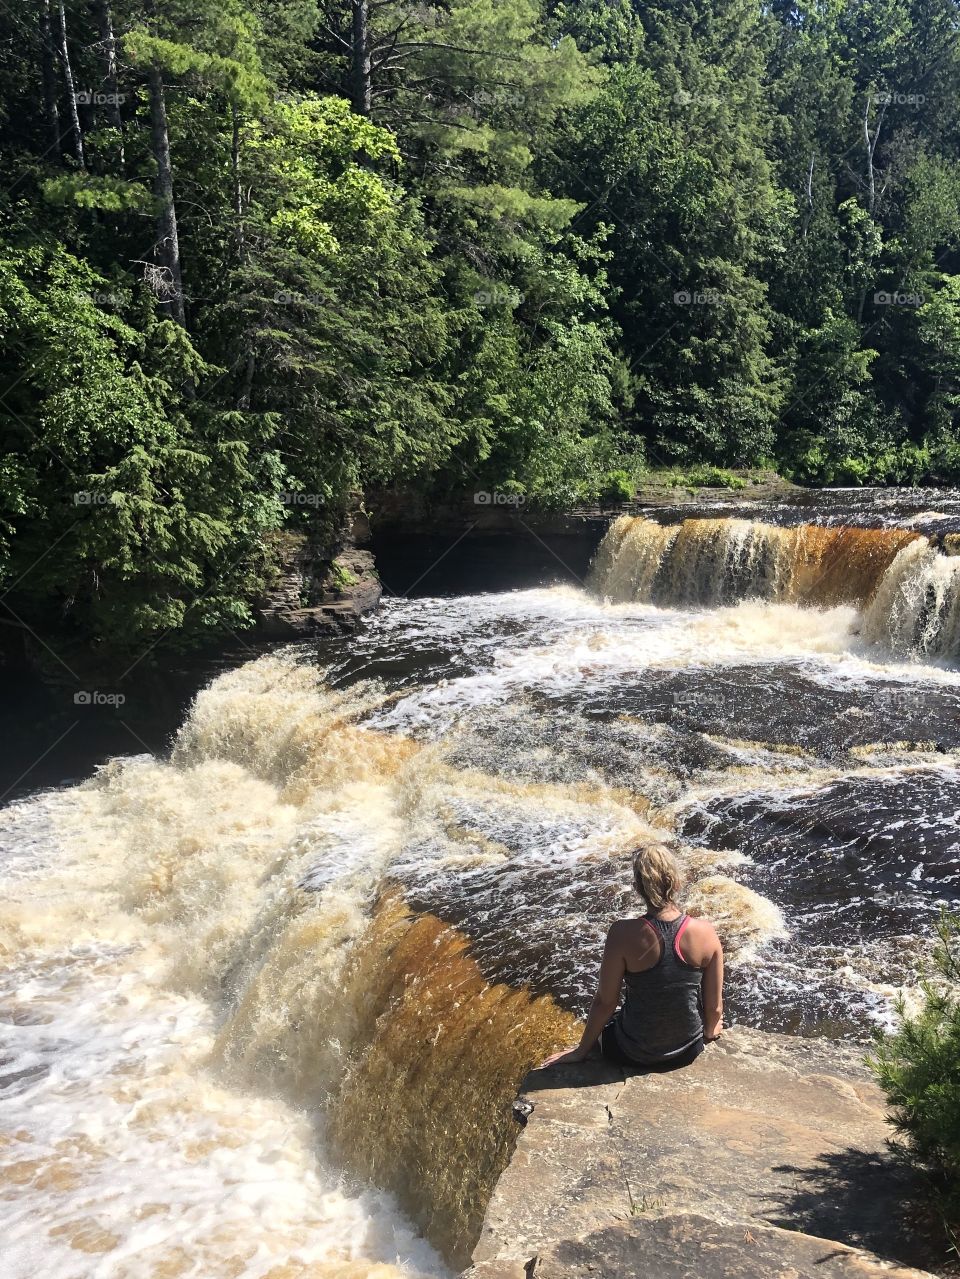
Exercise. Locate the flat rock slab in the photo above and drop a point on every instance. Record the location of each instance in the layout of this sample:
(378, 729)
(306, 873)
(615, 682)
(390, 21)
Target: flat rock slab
(691, 1247)
(765, 1138)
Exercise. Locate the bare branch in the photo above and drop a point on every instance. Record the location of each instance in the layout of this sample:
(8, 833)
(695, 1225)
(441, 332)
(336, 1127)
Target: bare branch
(334, 35)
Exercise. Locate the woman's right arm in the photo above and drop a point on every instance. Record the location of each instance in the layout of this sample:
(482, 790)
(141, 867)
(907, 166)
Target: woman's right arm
(612, 968)
(713, 993)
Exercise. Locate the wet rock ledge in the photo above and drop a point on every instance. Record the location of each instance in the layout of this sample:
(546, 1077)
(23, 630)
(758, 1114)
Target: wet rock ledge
(766, 1157)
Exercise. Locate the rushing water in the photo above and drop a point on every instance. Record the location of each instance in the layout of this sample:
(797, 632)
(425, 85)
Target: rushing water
(332, 927)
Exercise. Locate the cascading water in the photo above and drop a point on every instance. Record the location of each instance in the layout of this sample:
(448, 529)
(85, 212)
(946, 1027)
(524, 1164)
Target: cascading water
(711, 562)
(205, 935)
(158, 944)
(264, 1003)
(916, 608)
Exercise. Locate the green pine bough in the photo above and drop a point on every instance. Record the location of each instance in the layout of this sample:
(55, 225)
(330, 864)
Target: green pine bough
(918, 1067)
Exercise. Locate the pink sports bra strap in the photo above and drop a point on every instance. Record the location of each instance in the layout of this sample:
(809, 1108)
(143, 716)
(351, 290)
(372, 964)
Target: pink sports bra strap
(676, 941)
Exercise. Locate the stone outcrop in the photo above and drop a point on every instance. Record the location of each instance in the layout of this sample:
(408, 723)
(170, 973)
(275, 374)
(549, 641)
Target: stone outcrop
(766, 1157)
(320, 589)
(459, 544)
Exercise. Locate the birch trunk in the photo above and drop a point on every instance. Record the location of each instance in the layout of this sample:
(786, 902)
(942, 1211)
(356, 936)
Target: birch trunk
(73, 115)
(169, 238)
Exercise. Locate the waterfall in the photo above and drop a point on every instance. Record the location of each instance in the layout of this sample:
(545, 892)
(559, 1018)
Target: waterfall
(916, 609)
(230, 1000)
(908, 589)
(326, 935)
(233, 987)
(171, 949)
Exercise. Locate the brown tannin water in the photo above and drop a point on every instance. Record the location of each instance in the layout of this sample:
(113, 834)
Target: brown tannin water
(368, 885)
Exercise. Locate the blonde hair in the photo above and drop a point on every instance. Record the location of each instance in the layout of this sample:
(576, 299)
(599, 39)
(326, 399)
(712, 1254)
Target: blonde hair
(656, 875)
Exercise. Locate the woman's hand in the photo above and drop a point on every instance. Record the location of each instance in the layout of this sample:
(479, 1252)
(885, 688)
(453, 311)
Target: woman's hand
(565, 1057)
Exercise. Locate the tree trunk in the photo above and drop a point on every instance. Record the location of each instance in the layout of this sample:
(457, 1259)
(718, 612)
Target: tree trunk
(48, 57)
(246, 388)
(250, 365)
(111, 80)
(361, 67)
(73, 115)
(869, 145)
(237, 185)
(168, 248)
(870, 141)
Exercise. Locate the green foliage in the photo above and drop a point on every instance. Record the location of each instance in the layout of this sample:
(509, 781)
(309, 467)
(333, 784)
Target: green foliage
(703, 477)
(536, 249)
(221, 54)
(918, 1068)
(617, 486)
(341, 577)
(714, 477)
(87, 191)
(145, 504)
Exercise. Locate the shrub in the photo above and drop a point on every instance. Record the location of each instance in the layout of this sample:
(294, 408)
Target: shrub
(918, 1067)
(852, 470)
(714, 477)
(944, 451)
(617, 486)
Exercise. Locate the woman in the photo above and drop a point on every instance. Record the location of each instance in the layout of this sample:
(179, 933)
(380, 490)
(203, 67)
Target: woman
(672, 967)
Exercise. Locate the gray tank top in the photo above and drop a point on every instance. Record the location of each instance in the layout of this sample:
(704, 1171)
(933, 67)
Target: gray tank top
(662, 1012)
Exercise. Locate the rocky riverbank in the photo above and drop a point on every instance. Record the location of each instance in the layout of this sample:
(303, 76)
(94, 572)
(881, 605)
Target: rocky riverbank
(767, 1157)
(498, 541)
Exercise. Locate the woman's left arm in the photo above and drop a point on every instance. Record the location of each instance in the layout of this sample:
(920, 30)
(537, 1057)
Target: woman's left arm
(612, 968)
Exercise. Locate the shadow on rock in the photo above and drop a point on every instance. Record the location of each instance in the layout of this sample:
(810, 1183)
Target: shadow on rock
(848, 1194)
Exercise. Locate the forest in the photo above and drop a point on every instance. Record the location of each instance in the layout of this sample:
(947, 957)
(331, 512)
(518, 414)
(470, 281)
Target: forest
(258, 255)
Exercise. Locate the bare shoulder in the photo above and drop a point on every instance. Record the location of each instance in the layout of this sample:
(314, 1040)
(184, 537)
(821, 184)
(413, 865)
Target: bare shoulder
(631, 937)
(703, 933)
(623, 931)
(618, 933)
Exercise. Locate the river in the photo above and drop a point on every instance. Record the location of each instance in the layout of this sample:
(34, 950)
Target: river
(265, 995)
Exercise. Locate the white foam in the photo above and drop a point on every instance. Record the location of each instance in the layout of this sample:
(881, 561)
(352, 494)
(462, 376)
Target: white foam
(597, 644)
(129, 1156)
(142, 913)
(155, 923)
